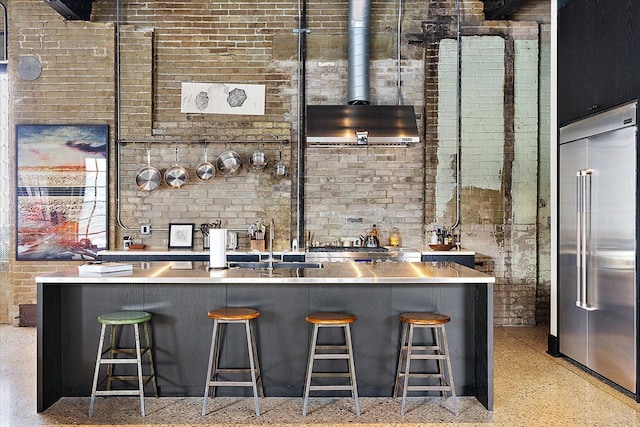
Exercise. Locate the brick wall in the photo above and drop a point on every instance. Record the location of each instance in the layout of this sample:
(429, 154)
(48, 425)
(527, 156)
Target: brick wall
(163, 44)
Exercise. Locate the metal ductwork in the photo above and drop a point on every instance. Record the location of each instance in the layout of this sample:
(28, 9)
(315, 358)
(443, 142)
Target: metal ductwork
(72, 9)
(359, 123)
(358, 72)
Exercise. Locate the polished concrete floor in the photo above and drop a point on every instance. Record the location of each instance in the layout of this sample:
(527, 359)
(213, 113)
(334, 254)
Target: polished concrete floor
(531, 389)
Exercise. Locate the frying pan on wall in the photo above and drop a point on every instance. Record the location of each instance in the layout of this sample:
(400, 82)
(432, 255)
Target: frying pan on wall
(148, 178)
(176, 176)
(205, 170)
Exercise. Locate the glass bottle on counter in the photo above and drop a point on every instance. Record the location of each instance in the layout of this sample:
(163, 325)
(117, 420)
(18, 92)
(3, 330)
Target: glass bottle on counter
(394, 239)
(374, 231)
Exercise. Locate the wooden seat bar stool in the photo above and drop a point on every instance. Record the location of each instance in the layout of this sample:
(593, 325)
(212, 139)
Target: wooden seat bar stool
(331, 351)
(123, 318)
(410, 351)
(225, 316)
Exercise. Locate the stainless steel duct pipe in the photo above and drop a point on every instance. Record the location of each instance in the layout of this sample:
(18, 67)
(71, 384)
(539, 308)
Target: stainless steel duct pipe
(358, 72)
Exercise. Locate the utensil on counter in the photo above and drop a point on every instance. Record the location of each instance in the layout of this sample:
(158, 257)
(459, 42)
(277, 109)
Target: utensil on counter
(229, 163)
(176, 176)
(148, 178)
(205, 170)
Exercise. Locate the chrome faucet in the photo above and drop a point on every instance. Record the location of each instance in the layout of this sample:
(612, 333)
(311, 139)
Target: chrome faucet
(272, 232)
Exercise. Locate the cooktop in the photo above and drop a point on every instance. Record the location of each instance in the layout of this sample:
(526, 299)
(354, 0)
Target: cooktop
(346, 249)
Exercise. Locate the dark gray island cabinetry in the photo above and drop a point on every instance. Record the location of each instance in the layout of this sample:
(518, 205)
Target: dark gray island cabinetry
(179, 300)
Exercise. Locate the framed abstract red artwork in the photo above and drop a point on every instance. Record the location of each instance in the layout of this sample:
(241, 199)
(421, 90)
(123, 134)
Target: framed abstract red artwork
(62, 191)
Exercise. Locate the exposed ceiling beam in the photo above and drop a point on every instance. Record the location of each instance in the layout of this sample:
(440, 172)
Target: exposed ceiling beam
(501, 9)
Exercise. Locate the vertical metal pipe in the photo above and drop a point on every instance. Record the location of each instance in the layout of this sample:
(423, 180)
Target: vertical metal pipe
(358, 67)
(399, 57)
(4, 35)
(301, 113)
(458, 117)
(118, 119)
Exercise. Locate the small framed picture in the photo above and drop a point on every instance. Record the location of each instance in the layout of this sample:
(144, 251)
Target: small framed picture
(181, 236)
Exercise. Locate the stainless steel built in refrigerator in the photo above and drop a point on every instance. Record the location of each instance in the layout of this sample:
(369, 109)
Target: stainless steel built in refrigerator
(597, 244)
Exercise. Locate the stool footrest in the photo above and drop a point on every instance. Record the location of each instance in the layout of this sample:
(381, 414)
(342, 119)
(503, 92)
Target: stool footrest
(332, 387)
(145, 378)
(331, 356)
(118, 393)
(428, 357)
(230, 384)
(428, 388)
(421, 375)
(421, 348)
(332, 347)
(143, 350)
(234, 370)
(331, 375)
(118, 361)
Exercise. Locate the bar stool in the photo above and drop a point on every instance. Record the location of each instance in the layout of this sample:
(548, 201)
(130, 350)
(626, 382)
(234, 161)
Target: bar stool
(331, 320)
(123, 318)
(410, 351)
(225, 316)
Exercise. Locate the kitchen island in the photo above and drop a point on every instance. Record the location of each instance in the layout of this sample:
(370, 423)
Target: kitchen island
(179, 300)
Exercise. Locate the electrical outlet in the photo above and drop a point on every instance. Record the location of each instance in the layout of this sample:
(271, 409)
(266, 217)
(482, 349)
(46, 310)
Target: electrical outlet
(145, 229)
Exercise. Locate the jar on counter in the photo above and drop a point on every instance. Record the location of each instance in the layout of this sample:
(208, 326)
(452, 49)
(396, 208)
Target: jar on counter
(394, 239)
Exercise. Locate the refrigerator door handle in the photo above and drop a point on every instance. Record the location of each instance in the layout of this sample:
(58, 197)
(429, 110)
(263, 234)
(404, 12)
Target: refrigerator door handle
(583, 223)
(579, 239)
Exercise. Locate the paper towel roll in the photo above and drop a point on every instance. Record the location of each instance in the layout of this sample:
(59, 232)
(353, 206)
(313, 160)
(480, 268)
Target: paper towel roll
(218, 248)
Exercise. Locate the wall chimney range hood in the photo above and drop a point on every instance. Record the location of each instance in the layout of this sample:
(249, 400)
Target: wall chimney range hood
(330, 125)
(359, 123)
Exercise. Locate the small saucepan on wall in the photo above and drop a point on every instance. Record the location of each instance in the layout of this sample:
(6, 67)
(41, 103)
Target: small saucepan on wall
(229, 163)
(148, 178)
(280, 168)
(176, 176)
(258, 160)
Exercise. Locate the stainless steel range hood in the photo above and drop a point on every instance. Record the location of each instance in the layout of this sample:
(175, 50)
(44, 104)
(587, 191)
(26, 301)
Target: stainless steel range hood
(359, 123)
(330, 125)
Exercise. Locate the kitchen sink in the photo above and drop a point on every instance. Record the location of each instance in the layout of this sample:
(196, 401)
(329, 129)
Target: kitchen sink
(276, 264)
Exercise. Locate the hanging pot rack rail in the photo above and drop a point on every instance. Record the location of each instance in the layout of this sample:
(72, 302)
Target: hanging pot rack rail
(201, 141)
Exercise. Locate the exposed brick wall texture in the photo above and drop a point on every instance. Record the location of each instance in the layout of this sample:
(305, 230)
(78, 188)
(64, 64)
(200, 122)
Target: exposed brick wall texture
(165, 43)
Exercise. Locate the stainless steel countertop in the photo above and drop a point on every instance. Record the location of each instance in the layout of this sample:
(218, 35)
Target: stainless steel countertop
(332, 272)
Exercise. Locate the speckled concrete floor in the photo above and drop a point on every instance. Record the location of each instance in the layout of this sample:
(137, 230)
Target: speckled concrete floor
(531, 389)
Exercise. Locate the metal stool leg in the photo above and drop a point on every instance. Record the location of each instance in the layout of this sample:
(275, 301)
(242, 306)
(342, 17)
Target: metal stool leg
(212, 355)
(252, 366)
(94, 387)
(136, 331)
(401, 356)
(449, 369)
(407, 369)
(113, 329)
(307, 383)
(255, 358)
(149, 352)
(352, 367)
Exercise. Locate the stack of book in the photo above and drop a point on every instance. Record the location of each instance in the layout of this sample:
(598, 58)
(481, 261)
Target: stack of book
(105, 269)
